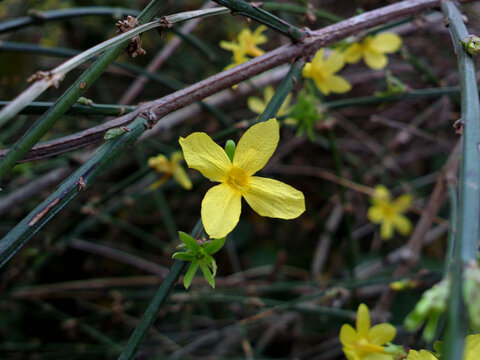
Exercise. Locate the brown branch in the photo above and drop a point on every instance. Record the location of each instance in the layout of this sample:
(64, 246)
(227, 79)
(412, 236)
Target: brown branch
(285, 54)
(137, 86)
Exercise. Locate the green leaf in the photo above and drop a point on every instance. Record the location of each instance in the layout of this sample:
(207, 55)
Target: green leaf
(187, 280)
(183, 256)
(213, 246)
(210, 261)
(206, 273)
(189, 241)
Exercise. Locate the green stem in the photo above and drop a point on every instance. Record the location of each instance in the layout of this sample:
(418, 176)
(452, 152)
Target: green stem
(93, 333)
(78, 109)
(371, 100)
(255, 12)
(155, 305)
(282, 91)
(323, 14)
(352, 246)
(40, 17)
(87, 173)
(55, 76)
(67, 53)
(69, 97)
(466, 241)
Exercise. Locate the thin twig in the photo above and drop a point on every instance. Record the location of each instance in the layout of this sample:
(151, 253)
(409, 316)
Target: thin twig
(320, 38)
(137, 86)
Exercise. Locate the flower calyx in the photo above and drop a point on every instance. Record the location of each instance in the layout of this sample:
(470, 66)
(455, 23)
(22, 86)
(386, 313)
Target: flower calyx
(200, 256)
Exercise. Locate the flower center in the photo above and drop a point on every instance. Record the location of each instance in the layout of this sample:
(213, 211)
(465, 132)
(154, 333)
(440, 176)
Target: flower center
(389, 211)
(238, 179)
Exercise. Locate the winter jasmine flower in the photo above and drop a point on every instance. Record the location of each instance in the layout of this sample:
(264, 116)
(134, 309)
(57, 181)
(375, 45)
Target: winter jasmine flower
(365, 342)
(389, 213)
(258, 105)
(373, 49)
(172, 167)
(221, 205)
(322, 71)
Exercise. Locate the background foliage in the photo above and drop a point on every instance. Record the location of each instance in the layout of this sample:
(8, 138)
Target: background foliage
(283, 289)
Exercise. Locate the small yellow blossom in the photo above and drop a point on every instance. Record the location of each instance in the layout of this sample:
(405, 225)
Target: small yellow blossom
(172, 167)
(246, 45)
(365, 343)
(372, 49)
(389, 213)
(258, 105)
(322, 71)
(471, 351)
(221, 205)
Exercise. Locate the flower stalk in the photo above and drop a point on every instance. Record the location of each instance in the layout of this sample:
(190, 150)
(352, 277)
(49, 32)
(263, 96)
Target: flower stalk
(466, 239)
(255, 12)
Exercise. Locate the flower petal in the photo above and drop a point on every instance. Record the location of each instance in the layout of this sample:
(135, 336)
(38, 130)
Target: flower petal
(228, 45)
(258, 36)
(159, 163)
(402, 224)
(176, 157)
(274, 199)
(381, 334)
(375, 214)
(256, 105)
(375, 60)
(221, 209)
(472, 347)
(386, 230)
(353, 53)
(333, 63)
(377, 356)
(403, 202)
(320, 83)
(268, 94)
(351, 354)
(363, 320)
(202, 154)
(317, 60)
(337, 84)
(381, 193)
(284, 109)
(386, 43)
(307, 71)
(256, 146)
(181, 177)
(348, 335)
(422, 355)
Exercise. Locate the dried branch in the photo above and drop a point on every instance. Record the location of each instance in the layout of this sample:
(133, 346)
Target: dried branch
(157, 109)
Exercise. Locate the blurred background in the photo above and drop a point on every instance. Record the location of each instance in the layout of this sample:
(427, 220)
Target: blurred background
(283, 288)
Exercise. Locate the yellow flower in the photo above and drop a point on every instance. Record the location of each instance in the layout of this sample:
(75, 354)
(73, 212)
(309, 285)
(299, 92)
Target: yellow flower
(250, 40)
(246, 45)
(472, 347)
(365, 343)
(239, 55)
(161, 164)
(258, 105)
(322, 71)
(389, 213)
(471, 351)
(221, 205)
(421, 355)
(372, 49)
